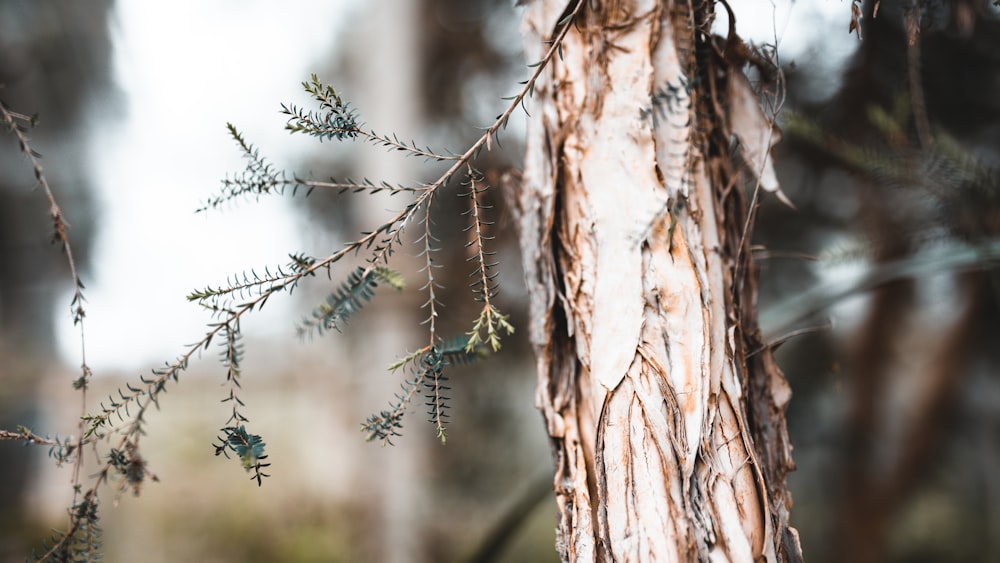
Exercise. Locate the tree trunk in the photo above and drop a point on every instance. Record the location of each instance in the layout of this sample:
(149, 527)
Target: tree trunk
(391, 478)
(664, 409)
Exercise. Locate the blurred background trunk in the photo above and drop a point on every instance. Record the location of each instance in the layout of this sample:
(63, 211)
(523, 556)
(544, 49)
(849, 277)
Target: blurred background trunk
(892, 463)
(53, 63)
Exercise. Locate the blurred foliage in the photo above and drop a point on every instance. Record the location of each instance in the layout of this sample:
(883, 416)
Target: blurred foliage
(897, 199)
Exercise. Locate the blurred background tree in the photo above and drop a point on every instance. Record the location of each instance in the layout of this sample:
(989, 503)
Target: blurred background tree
(895, 441)
(895, 410)
(54, 62)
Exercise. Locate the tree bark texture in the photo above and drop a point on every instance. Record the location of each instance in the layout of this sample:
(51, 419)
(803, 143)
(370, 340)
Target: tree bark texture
(664, 408)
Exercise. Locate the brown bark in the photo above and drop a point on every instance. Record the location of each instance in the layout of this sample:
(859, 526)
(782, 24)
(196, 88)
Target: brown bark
(668, 435)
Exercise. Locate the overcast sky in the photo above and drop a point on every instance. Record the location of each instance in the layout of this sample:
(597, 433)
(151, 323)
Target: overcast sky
(184, 68)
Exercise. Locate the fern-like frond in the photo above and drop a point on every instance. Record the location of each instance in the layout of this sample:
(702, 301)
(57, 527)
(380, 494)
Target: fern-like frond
(427, 367)
(427, 241)
(258, 178)
(457, 351)
(492, 322)
(349, 185)
(254, 284)
(384, 426)
(435, 391)
(338, 124)
(352, 295)
(454, 350)
(484, 278)
(336, 120)
(409, 358)
(132, 401)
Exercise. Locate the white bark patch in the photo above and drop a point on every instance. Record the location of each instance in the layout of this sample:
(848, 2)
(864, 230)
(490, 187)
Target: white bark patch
(686, 327)
(736, 467)
(735, 547)
(683, 317)
(539, 22)
(618, 303)
(618, 174)
(757, 135)
(582, 524)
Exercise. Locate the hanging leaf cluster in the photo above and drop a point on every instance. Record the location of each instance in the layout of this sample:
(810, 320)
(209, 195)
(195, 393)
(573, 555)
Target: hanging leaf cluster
(352, 295)
(248, 448)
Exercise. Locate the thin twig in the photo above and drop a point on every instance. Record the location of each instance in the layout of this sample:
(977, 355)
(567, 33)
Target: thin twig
(14, 122)
(915, 75)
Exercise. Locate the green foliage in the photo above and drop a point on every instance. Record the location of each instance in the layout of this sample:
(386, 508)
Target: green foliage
(81, 542)
(249, 285)
(118, 425)
(260, 178)
(426, 367)
(249, 448)
(231, 356)
(492, 322)
(484, 277)
(435, 390)
(352, 295)
(428, 376)
(334, 120)
(130, 466)
(959, 193)
(949, 216)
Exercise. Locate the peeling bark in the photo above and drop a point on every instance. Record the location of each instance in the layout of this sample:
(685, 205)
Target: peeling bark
(668, 436)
